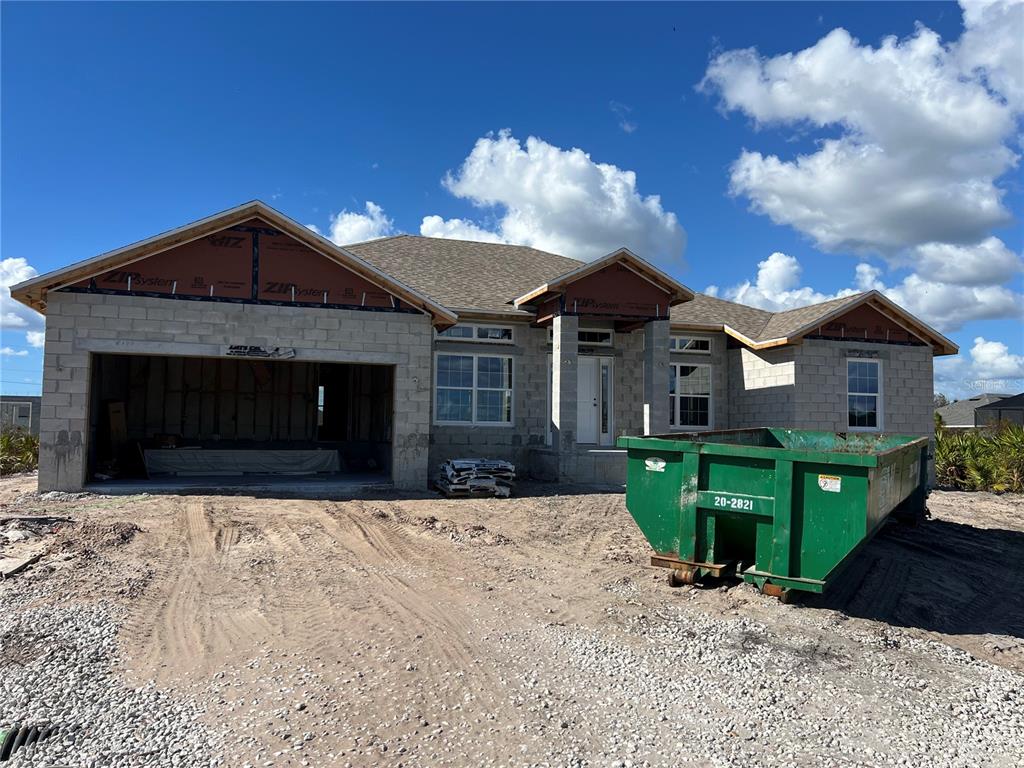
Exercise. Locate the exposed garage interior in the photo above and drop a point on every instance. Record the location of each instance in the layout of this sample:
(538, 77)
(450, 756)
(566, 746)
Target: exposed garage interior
(204, 421)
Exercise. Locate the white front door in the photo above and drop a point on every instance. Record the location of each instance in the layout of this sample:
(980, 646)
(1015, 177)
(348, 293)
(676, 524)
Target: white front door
(587, 400)
(594, 401)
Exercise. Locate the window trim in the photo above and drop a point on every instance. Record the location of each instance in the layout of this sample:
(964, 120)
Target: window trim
(474, 423)
(583, 329)
(711, 400)
(879, 399)
(474, 339)
(673, 336)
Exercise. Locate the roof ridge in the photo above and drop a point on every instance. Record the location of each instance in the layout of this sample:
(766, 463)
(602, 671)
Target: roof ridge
(375, 240)
(857, 295)
(475, 242)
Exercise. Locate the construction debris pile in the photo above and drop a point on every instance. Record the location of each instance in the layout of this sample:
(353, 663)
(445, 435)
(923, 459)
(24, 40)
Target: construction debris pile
(22, 541)
(476, 477)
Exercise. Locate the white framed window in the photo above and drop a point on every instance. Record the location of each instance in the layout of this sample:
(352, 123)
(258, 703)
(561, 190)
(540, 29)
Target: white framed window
(472, 389)
(595, 337)
(489, 334)
(689, 397)
(694, 345)
(591, 337)
(864, 394)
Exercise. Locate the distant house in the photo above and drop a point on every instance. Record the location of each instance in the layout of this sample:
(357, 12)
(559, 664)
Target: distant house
(21, 411)
(960, 415)
(1009, 409)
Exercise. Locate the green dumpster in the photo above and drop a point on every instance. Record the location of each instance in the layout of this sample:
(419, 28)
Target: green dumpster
(783, 508)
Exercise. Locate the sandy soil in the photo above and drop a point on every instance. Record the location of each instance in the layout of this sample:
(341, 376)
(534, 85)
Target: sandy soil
(413, 630)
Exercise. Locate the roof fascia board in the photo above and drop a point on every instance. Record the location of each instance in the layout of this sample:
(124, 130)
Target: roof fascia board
(781, 341)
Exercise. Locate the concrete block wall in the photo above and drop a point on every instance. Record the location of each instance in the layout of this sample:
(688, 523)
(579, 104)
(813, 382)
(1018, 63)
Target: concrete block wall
(820, 400)
(529, 354)
(656, 377)
(79, 325)
(629, 383)
(761, 387)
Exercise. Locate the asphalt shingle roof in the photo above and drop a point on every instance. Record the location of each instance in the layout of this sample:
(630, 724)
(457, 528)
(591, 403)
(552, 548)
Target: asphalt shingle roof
(466, 275)
(1005, 401)
(961, 413)
(709, 310)
(462, 274)
(792, 320)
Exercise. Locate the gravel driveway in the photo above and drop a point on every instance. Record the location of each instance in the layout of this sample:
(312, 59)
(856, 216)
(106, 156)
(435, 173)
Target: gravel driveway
(230, 630)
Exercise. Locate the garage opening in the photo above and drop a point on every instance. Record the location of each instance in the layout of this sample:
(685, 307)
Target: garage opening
(245, 421)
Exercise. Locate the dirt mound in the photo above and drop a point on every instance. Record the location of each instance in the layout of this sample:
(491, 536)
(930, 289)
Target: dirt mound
(474, 533)
(90, 539)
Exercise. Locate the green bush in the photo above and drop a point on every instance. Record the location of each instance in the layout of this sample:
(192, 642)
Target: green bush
(19, 451)
(989, 459)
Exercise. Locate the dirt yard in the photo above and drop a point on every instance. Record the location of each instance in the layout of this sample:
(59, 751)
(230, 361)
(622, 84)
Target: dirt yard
(234, 631)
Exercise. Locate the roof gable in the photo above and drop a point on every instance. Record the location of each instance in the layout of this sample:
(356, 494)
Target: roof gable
(878, 319)
(289, 241)
(673, 292)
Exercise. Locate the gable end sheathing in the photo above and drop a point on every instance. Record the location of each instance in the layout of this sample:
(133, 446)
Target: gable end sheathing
(248, 262)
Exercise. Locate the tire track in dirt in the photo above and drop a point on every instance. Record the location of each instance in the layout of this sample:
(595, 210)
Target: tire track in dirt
(190, 613)
(301, 613)
(385, 549)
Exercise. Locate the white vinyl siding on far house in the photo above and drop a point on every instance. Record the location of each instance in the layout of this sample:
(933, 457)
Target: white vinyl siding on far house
(472, 389)
(864, 394)
(690, 397)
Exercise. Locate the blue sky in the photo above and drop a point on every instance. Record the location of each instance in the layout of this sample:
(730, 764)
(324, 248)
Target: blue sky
(123, 120)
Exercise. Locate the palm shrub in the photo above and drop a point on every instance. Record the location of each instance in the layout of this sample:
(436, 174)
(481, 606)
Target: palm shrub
(989, 459)
(1008, 451)
(19, 451)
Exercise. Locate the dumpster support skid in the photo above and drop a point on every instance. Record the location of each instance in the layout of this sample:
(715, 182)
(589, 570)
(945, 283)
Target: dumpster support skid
(689, 572)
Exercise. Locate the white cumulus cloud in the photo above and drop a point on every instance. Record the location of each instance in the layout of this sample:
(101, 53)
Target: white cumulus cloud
(776, 287)
(989, 262)
(350, 227)
(13, 314)
(992, 360)
(558, 200)
(36, 339)
(946, 306)
(457, 229)
(924, 134)
(991, 48)
(8, 352)
(988, 367)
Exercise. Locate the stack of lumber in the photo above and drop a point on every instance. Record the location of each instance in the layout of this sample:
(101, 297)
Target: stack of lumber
(476, 477)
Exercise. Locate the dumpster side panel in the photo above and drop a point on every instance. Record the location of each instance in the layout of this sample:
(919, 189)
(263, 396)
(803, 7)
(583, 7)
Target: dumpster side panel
(653, 483)
(829, 516)
(748, 475)
(898, 476)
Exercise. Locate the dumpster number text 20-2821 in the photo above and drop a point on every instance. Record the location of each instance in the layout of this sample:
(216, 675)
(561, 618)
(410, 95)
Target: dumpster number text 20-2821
(732, 502)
